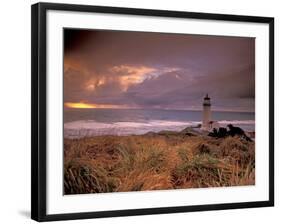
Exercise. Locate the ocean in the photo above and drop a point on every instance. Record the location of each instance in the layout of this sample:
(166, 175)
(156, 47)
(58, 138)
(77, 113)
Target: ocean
(96, 122)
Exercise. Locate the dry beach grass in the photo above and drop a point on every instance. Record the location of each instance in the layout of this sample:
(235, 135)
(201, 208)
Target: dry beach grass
(156, 161)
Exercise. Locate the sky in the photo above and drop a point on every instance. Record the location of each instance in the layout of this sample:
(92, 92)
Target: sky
(125, 69)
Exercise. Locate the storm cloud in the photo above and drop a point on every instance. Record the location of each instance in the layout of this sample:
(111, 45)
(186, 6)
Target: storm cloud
(158, 70)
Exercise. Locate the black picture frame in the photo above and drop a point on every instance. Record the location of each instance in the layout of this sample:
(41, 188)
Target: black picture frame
(39, 122)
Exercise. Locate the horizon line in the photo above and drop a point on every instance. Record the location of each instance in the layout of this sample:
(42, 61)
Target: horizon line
(146, 108)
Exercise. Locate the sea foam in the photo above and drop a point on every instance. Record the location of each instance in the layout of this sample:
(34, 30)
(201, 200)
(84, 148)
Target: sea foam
(87, 128)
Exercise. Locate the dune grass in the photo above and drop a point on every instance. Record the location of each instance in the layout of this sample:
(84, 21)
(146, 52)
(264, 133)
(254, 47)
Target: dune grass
(156, 162)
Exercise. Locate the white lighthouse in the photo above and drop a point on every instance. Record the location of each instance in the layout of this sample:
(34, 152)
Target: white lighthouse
(206, 123)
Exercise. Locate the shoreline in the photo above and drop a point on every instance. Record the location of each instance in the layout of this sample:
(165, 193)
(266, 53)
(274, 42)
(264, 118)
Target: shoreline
(91, 128)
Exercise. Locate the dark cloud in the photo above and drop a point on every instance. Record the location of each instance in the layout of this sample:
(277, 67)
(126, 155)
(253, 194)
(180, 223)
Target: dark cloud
(172, 71)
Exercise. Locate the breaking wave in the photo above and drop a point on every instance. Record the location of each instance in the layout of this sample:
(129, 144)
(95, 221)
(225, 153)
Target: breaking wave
(87, 128)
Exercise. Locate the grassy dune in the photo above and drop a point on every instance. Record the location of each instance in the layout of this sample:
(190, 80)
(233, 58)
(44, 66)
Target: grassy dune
(167, 160)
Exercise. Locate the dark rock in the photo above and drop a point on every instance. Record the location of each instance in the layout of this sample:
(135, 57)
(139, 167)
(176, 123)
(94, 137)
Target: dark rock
(233, 131)
(237, 131)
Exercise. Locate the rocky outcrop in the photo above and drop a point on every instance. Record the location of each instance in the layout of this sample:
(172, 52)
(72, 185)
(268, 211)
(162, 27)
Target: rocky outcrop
(229, 131)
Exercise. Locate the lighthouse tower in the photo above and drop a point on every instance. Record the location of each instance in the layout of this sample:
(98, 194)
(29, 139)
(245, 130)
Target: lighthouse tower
(206, 113)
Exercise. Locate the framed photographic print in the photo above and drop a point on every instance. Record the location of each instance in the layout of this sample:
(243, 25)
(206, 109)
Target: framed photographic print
(138, 111)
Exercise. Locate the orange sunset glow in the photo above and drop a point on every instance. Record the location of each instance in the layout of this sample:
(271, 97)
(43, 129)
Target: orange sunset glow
(81, 105)
(143, 70)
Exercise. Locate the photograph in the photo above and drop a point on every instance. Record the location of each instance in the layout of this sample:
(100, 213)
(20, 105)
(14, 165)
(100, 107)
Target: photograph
(149, 111)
